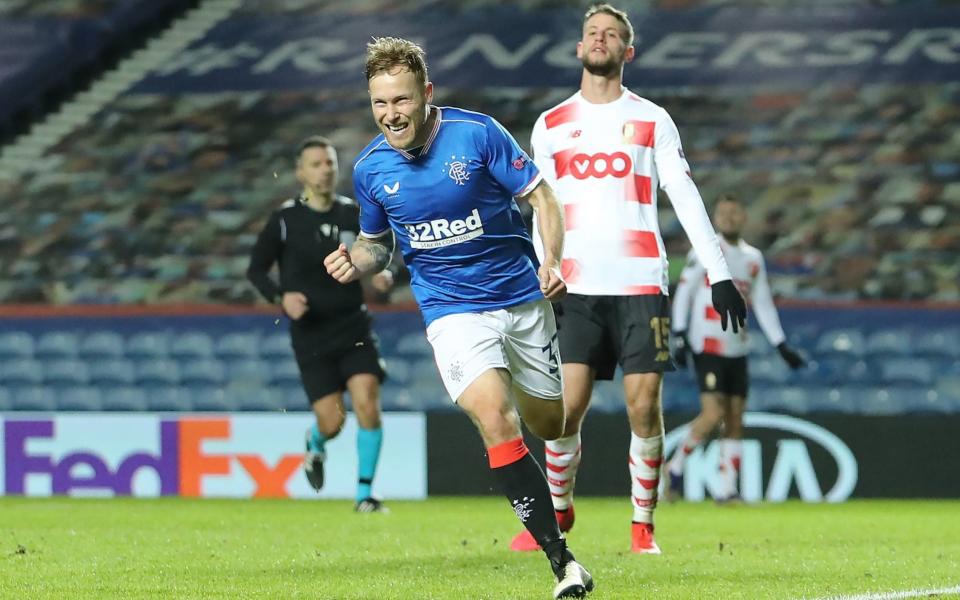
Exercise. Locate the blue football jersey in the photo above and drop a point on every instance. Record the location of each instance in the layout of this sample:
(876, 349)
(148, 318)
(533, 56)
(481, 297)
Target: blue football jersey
(453, 213)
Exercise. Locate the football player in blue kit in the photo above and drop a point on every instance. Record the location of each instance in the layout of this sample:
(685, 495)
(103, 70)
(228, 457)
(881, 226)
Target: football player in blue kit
(441, 182)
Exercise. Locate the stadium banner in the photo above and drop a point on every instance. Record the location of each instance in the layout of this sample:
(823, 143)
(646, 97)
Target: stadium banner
(719, 45)
(217, 455)
(824, 458)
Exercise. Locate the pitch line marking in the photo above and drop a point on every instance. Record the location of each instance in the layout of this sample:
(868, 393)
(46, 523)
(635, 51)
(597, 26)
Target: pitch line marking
(898, 595)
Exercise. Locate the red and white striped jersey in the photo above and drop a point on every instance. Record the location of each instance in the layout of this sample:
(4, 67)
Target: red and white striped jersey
(693, 307)
(605, 162)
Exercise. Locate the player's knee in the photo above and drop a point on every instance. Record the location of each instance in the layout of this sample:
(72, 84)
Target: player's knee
(331, 424)
(547, 427)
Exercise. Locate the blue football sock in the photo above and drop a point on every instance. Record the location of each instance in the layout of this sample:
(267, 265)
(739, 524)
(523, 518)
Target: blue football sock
(317, 440)
(368, 451)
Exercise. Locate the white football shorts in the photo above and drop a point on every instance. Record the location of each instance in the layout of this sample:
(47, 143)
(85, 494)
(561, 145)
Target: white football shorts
(521, 339)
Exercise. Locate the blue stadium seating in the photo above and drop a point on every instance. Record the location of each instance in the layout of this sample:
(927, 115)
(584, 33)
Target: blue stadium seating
(846, 342)
(21, 372)
(33, 398)
(789, 399)
(292, 398)
(247, 372)
(398, 371)
(414, 344)
(769, 369)
(200, 373)
(102, 345)
(238, 345)
(276, 344)
(16, 344)
(938, 343)
(254, 399)
(679, 395)
(112, 372)
(843, 399)
(65, 373)
(907, 371)
(80, 399)
(889, 342)
(284, 372)
(5, 399)
(169, 399)
(192, 345)
(57, 344)
(148, 344)
(210, 399)
(158, 372)
(759, 346)
(124, 399)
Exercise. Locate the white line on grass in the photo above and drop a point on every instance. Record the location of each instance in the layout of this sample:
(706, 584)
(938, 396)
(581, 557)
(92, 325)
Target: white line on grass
(897, 595)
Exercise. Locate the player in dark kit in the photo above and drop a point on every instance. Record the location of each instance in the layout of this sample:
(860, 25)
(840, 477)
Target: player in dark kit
(330, 329)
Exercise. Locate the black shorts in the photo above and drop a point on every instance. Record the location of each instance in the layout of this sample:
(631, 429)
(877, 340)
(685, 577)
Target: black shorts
(604, 331)
(721, 374)
(331, 352)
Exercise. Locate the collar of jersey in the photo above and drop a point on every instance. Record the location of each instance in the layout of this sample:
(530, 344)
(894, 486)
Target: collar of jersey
(426, 146)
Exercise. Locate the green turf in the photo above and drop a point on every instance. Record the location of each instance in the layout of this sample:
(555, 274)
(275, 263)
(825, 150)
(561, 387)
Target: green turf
(457, 548)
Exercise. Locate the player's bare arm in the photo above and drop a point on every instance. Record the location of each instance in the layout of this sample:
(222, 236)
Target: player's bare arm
(550, 224)
(368, 255)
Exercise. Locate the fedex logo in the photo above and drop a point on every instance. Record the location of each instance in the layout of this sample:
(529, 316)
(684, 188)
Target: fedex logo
(599, 165)
(181, 463)
(444, 232)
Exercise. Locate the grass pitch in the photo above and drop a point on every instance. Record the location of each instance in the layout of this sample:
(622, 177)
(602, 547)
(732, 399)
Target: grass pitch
(457, 548)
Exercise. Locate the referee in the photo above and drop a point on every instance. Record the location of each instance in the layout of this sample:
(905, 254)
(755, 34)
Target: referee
(330, 329)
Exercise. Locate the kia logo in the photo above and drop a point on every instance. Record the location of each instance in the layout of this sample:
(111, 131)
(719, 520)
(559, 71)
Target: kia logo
(792, 466)
(599, 165)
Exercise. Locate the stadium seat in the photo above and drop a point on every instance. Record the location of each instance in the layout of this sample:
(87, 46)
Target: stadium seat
(5, 400)
(607, 396)
(769, 369)
(889, 342)
(276, 345)
(16, 344)
(928, 401)
(679, 395)
(424, 370)
(844, 399)
(790, 399)
(414, 345)
(284, 371)
(148, 344)
(884, 401)
(209, 399)
(124, 399)
(939, 343)
(191, 345)
(57, 344)
(292, 398)
(113, 372)
(169, 399)
(397, 398)
(158, 372)
(65, 373)
(238, 345)
(34, 398)
(247, 372)
(398, 371)
(21, 372)
(254, 399)
(907, 371)
(759, 346)
(78, 399)
(101, 345)
(847, 342)
(199, 373)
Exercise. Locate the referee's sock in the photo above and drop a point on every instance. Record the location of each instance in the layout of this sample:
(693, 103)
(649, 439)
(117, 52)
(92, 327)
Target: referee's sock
(369, 442)
(316, 441)
(525, 486)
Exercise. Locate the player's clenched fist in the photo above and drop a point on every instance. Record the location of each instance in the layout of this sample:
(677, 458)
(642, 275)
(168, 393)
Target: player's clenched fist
(340, 266)
(551, 283)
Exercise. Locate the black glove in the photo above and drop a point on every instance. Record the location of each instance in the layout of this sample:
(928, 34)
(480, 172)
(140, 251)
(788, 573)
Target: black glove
(729, 303)
(680, 347)
(791, 356)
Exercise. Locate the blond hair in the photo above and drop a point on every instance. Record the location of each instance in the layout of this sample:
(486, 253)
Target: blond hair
(386, 53)
(619, 15)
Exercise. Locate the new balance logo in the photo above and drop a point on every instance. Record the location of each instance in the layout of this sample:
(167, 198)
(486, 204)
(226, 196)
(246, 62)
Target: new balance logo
(444, 232)
(392, 190)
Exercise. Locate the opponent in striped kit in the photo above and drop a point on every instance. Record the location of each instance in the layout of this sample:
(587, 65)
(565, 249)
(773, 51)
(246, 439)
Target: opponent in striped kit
(606, 151)
(720, 357)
